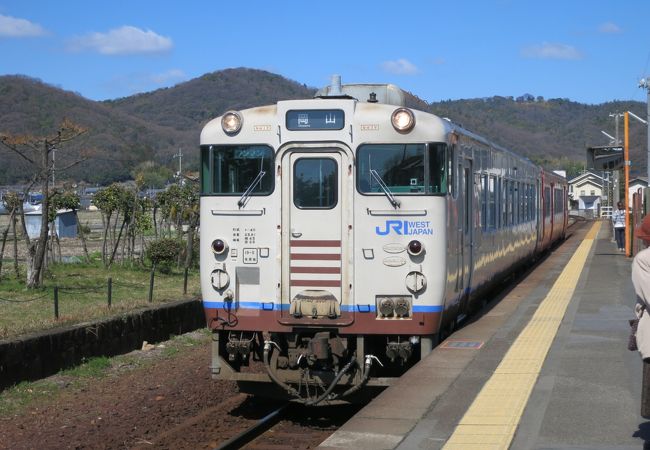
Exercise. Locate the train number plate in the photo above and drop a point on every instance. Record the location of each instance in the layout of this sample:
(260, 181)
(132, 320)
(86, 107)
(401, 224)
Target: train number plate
(250, 256)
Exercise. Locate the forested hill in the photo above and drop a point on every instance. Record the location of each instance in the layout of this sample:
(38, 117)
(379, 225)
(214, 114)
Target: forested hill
(153, 126)
(190, 105)
(548, 131)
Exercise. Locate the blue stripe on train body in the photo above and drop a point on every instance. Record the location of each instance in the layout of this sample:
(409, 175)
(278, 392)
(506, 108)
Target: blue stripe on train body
(271, 306)
(405, 228)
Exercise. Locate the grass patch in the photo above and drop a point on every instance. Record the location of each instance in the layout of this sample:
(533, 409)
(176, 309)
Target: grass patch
(83, 295)
(92, 368)
(15, 399)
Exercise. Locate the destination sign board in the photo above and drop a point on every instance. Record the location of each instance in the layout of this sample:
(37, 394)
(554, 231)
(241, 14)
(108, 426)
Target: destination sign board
(605, 158)
(315, 119)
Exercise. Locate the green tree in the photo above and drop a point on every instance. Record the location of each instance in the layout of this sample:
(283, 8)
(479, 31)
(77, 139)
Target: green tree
(109, 201)
(153, 175)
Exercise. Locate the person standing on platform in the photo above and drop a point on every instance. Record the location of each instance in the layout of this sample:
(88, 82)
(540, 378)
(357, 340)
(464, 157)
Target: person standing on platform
(641, 282)
(618, 219)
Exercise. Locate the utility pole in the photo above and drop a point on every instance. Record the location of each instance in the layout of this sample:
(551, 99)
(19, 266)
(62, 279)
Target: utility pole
(616, 116)
(53, 165)
(645, 84)
(628, 163)
(617, 142)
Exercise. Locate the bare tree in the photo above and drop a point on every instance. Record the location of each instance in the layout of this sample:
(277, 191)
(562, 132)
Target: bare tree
(37, 152)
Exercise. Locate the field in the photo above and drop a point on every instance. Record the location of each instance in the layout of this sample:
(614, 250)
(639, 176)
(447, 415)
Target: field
(82, 286)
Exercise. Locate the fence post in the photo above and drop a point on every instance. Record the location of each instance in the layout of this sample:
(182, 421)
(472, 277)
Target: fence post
(153, 270)
(56, 302)
(185, 281)
(110, 291)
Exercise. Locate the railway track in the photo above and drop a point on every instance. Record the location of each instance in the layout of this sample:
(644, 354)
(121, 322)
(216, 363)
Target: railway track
(261, 426)
(242, 421)
(296, 426)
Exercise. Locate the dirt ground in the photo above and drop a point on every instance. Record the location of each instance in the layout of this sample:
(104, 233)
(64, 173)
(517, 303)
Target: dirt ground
(126, 409)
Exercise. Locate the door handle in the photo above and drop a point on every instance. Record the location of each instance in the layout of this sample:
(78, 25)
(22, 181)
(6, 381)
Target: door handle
(296, 234)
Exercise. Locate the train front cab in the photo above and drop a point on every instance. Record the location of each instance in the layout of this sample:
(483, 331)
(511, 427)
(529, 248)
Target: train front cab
(307, 277)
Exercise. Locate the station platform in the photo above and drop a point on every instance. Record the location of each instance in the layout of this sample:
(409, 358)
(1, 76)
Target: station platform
(545, 366)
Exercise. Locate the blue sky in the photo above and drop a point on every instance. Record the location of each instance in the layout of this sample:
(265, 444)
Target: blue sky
(588, 51)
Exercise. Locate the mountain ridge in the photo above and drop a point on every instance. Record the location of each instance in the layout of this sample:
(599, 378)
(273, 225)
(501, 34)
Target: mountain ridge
(152, 126)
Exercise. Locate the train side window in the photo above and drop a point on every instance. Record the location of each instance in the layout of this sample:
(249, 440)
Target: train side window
(436, 177)
(492, 202)
(451, 176)
(511, 202)
(499, 198)
(206, 179)
(522, 203)
(483, 197)
(558, 203)
(504, 202)
(547, 202)
(518, 202)
(507, 196)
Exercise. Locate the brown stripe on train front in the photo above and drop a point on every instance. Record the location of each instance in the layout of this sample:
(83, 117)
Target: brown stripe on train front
(316, 283)
(295, 269)
(307, 243)
(317, 256)
(353, 323)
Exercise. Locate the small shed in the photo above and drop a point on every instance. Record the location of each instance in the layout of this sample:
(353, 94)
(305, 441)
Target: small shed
(66, 223)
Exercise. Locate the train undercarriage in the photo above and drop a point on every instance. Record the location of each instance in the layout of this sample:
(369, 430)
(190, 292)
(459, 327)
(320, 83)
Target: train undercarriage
(313, 366)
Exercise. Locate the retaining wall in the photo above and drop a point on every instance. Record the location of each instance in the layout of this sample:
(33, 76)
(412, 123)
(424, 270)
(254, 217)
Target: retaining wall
(39, 355)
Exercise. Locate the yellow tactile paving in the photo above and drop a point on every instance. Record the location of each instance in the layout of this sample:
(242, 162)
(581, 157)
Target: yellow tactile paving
(491, 421)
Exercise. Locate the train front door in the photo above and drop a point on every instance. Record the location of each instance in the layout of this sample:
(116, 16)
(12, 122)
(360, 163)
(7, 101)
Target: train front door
(314, 215)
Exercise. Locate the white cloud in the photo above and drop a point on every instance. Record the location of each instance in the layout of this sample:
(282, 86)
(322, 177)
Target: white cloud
(609, 28)
(169, 77)
(400, 67)
(551, 51)
(125, 40)
(13, 27)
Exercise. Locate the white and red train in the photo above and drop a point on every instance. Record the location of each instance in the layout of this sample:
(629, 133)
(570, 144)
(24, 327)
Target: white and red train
(342, 236)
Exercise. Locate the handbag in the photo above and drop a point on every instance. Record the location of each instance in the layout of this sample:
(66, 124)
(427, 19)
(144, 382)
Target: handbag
(634, 325)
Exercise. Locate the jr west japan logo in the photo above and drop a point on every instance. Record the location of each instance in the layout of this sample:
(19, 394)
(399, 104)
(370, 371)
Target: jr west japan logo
(405, 227)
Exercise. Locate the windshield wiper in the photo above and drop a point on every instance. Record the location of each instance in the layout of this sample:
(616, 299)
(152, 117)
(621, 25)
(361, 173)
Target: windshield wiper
(244, 198)
(393, 201)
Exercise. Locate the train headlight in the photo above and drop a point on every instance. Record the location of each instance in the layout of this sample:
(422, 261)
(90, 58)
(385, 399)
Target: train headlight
(219, 246)
(403, 120)
(231, 122)
(415, 247)
(386, 307)
(402, 307)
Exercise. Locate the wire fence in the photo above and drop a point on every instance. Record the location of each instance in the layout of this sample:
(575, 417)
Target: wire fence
(29, 300)
(129, 290)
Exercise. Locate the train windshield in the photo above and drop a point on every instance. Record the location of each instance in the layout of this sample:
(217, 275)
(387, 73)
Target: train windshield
(405, 168)
(232, 170)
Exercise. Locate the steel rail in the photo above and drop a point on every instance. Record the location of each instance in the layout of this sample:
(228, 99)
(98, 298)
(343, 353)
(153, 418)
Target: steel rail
(246, 436)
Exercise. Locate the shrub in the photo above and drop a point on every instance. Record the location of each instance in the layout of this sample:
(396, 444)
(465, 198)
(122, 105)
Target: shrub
(163, 253)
